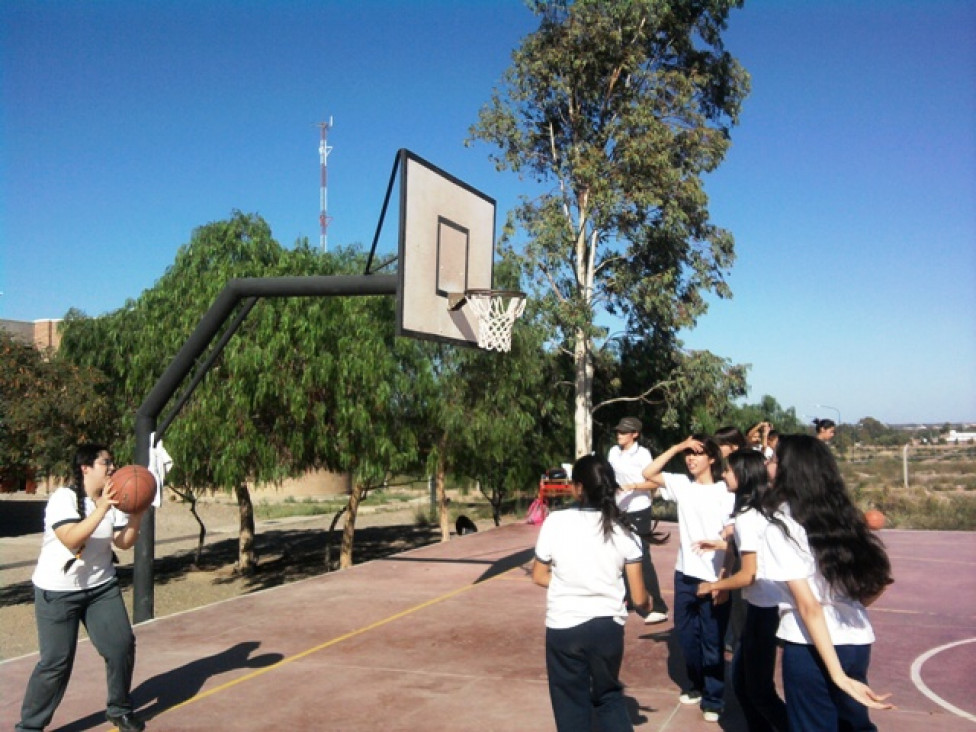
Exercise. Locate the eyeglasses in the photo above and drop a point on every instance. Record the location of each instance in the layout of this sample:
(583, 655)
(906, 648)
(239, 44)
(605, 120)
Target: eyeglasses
(106, 463)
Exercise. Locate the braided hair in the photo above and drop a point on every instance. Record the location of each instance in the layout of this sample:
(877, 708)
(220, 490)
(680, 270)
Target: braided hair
(86, 454)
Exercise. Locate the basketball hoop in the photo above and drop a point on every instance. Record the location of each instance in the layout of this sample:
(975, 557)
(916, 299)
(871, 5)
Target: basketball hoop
(497, 311)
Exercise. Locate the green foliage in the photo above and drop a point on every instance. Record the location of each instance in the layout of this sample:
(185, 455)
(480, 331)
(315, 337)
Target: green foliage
(47, 407)
(622, 106)
(304, 383)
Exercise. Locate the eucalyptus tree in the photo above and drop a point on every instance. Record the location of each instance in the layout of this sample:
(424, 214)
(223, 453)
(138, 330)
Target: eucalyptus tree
(496, 418)
(617, 108)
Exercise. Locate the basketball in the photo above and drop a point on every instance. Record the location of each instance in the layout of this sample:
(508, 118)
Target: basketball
(875, 519)
(135, 488)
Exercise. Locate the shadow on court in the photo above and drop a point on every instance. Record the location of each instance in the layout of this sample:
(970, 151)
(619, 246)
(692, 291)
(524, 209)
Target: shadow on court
(450, 637)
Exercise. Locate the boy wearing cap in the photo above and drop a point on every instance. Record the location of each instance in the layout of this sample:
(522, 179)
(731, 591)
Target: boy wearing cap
(629, 459)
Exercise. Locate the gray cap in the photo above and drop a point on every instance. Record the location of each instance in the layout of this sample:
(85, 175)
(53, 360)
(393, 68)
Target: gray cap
(628, 424)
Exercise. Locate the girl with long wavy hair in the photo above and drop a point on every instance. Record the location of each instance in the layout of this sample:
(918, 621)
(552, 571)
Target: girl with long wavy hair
(829, 567)
(754, 664)
(581, 556)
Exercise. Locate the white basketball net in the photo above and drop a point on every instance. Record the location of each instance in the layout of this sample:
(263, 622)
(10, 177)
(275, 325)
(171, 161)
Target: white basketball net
(497, 313)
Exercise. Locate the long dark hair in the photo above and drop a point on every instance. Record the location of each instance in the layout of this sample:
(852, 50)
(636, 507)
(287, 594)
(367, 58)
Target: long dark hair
(752, 480)
(851, 557)
(86, 454)
(596, 477)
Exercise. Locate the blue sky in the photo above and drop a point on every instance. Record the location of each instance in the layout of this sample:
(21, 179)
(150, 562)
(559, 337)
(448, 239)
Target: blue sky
(850, 186)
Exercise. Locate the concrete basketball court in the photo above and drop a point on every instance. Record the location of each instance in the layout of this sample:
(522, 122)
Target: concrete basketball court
(450, 637)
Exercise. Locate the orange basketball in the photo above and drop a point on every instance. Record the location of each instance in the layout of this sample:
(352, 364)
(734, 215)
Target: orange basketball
(135, 488)
(875, 519)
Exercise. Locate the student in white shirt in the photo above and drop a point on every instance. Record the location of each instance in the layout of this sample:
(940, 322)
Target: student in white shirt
(754, 664)
(704, 507)
(74, 583)
(581, 556)
(829, 566)
(629, 458)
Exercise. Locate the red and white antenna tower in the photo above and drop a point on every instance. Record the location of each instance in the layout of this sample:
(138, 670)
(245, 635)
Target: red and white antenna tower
(324, 150)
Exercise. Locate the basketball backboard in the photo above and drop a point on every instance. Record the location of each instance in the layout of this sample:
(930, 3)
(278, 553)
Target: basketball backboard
(446, 247)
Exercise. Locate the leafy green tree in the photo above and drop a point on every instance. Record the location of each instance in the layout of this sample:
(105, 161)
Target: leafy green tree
(47, 407)
(497, 418)
(304, 383)
(622, 106)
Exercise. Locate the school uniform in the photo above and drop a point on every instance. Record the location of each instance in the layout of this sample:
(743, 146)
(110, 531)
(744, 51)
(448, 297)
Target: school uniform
(86, 592)
(754, 664)
(585, 616)
(813, 702)
(628, 468)
(703, 511)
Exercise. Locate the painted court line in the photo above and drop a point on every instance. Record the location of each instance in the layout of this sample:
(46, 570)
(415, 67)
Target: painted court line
(332, 642)
(920, 685)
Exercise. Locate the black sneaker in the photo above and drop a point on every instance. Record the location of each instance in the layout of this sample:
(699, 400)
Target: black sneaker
(127, 722)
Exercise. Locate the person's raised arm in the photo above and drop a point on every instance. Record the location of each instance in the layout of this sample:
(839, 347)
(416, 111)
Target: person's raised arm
(652, 473)
(811, 612)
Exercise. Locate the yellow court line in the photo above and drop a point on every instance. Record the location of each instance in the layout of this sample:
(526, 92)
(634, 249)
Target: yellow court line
(327, 644)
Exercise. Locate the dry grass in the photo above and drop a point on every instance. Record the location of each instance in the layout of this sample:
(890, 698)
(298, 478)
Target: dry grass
(941, 492)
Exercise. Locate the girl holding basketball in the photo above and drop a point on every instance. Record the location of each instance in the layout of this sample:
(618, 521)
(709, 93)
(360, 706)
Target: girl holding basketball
(581, 556)
(754, 664)
(829, 566)
(704, 508)
(75, 582)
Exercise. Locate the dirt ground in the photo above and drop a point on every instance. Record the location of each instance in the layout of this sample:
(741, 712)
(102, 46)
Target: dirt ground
(288, 549)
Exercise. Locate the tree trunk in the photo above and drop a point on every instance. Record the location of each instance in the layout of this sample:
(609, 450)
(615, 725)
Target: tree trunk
(349, 527)
(441, 479)
(583, 414)
(247, 558)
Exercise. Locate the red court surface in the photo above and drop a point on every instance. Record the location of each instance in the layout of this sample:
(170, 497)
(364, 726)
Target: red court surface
(450, 637)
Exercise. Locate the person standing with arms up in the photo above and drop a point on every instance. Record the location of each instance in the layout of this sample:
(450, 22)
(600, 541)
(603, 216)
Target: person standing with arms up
(75, 582)
(581, 556)
(704, 508)
(628, 459)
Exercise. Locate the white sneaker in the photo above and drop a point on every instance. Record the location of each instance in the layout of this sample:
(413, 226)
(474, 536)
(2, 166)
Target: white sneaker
(690, 697)
(710, 716)
(655, 617)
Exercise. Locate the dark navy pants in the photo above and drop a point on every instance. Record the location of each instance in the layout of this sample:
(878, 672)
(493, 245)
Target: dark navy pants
(59, 615)
(813, 703)
(583, 663)
(701, 625)
(754, 671)
(642, 521)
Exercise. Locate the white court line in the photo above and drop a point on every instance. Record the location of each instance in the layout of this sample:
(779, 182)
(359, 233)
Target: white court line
(920, 685)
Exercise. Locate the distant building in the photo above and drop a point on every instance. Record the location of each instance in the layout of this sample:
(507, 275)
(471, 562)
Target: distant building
(959, 437)
(42, 334)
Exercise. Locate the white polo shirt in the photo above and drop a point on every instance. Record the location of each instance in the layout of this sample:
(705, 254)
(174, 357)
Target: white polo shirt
(628, 467)
(95, 566)
(750, 532)
(790, 558)
(587, 571)
(703, 511)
